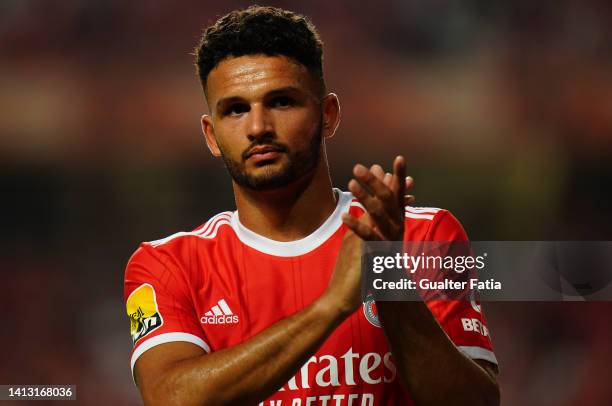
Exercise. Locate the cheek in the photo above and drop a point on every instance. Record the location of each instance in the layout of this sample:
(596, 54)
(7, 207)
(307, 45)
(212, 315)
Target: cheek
(229, 148)
(229, 140)
(298, 128)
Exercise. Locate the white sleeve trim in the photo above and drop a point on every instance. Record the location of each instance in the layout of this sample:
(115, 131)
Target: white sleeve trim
(478, 353)
(167, 338)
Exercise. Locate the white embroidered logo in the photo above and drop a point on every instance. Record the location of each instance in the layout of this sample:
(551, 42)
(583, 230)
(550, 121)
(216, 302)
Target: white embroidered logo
(219, 314)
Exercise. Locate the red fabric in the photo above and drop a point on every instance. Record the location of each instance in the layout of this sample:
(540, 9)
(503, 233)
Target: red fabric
(191, 274)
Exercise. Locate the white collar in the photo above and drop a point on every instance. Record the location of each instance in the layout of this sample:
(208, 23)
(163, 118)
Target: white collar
(297, 247)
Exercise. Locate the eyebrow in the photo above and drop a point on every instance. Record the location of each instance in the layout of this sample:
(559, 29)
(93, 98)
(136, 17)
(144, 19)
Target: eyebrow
(228, 100)
(233, 99)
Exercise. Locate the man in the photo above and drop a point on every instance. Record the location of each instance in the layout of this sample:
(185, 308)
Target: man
(261, 304)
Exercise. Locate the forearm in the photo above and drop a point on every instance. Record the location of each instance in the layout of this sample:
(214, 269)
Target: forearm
(432, 369)
(252, 371)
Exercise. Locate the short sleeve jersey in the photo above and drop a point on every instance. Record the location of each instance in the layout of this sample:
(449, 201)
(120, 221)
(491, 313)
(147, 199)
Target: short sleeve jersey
(221, 284)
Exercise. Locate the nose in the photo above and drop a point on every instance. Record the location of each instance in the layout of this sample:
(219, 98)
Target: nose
(259, 123)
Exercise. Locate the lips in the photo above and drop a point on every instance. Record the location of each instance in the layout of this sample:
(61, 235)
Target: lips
(261, 150)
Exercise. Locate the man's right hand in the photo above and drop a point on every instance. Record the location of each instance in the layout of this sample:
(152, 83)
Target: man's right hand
(343, 292)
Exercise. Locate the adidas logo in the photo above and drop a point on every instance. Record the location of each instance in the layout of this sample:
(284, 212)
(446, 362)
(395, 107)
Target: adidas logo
(219, 314)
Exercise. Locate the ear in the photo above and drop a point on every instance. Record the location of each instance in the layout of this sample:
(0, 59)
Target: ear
(209, 135)
(331, 115)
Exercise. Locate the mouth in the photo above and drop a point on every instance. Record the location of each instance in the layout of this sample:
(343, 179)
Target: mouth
(263, 153)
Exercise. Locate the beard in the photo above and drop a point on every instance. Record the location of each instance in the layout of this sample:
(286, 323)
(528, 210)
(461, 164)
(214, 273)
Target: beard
(299, 163)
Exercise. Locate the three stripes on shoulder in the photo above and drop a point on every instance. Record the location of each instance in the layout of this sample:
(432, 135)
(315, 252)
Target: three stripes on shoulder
(427, 213)
(208, 230)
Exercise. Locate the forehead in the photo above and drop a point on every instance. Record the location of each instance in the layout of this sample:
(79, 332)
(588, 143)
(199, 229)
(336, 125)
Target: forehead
(253, 75)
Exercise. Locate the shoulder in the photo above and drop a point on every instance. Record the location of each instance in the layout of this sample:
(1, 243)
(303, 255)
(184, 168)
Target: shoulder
(180, 243)
(168, 261)
(175, 247)
(208, 231)
(432, 223)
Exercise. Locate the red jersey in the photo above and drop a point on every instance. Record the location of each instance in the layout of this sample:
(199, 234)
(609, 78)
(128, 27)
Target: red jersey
(221, 284)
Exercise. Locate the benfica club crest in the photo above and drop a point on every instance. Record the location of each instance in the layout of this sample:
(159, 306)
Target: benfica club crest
(370, 312)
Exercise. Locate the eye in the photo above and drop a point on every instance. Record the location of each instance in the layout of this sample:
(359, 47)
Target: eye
(235, 109)
(282, 101)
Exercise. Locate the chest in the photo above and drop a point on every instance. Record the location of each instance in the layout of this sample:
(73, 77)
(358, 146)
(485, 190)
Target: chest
(243, 291)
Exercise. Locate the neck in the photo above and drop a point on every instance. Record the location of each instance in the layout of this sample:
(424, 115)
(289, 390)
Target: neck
(291, 212)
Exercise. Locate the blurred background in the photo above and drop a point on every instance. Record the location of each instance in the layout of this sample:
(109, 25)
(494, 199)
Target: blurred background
(503, 110)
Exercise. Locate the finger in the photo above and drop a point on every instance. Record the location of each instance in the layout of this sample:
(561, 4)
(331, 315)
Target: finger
(360, 228)
(388, 224)
(377, 171)
(398, 183)
(387, 179)
(386, 210)
(409, 182)
(373, 184)
(409, 199)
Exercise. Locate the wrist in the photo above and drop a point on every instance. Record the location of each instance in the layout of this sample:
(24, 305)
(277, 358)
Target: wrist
(329, 304)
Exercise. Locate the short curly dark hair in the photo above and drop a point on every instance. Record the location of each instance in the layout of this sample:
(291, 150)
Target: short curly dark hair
(260, 30)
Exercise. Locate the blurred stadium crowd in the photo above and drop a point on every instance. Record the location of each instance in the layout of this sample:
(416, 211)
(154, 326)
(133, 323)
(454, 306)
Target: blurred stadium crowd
(503, 110)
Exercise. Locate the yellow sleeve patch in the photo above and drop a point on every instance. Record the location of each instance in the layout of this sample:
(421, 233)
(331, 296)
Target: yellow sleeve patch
(143, 312)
